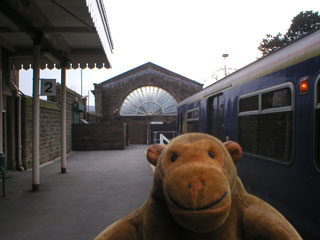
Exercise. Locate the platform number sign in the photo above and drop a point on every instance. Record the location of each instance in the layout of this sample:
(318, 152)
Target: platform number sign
(48, 87)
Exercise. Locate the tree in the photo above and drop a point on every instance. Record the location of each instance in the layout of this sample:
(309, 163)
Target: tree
(271, 43)
(301, 25)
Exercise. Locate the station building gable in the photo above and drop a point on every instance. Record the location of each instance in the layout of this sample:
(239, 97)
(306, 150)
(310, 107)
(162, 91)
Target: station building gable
(142, 98)
(111, 94)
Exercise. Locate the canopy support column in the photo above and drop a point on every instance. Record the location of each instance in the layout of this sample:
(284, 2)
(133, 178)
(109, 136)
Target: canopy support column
(36, 117)
(63, 121)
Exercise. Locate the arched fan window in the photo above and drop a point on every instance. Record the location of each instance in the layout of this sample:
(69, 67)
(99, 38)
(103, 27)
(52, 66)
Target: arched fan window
(148, 101)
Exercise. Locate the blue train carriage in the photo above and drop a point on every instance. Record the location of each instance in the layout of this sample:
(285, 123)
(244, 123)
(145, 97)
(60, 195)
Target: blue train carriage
(272, 108)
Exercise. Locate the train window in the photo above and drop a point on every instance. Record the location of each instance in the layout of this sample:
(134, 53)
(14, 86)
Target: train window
(193, 124)
(196, 114)
(278, 98)
(249, 104)
(248, 133)
(275, 136)
(216, 116)
(193, 114)
(268, 131)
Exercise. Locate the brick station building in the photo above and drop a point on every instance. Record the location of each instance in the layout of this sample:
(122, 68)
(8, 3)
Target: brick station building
(145, 98)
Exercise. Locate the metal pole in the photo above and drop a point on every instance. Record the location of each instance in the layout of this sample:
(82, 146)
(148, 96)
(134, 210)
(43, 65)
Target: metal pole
(225, 55)
(36, 117)
(63, 121)
(1, 104)
(20, 167)
(81, 81)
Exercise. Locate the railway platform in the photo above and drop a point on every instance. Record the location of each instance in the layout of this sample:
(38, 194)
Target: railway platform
(99, 188)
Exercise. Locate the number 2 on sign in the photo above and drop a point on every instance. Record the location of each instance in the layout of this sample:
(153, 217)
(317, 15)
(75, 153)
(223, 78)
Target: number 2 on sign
(48, 86)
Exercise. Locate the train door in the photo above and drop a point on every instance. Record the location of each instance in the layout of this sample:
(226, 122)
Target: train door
(317, 123)
(216, 116)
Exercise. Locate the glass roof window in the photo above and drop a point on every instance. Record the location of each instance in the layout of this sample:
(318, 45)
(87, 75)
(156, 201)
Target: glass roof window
(149, 101)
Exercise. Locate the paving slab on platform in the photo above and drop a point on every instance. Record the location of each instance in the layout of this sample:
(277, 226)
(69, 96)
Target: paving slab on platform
(99, 188)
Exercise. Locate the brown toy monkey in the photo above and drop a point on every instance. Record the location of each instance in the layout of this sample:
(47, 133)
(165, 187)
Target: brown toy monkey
(197, 194)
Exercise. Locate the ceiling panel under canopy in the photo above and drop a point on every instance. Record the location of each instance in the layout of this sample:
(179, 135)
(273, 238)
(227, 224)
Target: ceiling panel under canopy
(74, 33)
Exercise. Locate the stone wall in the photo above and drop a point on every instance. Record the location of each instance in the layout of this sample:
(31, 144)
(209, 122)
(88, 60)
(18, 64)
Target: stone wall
(103, 136)
(50, 136)
(50, 127)
(94, 118)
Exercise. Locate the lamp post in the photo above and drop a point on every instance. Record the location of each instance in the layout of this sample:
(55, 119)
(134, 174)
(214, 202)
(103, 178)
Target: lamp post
(225, 55)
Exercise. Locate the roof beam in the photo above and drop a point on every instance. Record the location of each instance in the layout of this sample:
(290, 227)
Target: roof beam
(8, 45)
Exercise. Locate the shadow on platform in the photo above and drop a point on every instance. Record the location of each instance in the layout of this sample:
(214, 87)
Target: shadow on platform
(99, 188)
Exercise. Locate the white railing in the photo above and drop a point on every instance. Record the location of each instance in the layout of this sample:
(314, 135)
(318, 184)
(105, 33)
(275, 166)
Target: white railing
(163, 138)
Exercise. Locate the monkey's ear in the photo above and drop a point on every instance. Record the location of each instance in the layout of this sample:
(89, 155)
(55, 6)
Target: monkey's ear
(154, 152)
(234, 149)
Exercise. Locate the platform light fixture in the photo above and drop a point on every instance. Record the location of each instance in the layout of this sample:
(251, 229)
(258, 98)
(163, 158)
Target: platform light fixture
(225, 55)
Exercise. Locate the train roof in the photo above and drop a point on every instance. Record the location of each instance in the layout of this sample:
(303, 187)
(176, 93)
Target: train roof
(298, 51)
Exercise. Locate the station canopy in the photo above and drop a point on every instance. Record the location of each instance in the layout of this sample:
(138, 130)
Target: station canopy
(71, 32)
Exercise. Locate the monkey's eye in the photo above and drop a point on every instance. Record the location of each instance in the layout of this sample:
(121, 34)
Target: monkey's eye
(211, 154)
(174, 157)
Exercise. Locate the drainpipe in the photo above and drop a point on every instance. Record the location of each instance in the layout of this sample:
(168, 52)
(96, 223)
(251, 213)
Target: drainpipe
(20, 166)
(19, 142)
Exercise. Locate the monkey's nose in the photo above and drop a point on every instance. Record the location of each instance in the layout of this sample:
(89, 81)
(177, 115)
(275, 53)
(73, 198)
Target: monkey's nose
(196, 184)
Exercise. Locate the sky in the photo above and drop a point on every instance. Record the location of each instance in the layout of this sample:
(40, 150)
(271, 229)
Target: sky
(187, 37)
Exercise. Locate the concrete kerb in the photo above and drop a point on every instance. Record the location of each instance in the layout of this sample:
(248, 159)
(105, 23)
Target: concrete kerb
(50, 162)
